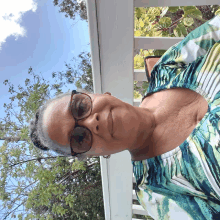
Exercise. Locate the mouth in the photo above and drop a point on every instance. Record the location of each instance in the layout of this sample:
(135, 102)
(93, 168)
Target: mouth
(110, 123)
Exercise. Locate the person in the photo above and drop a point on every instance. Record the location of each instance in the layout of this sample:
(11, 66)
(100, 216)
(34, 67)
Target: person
(173, 136)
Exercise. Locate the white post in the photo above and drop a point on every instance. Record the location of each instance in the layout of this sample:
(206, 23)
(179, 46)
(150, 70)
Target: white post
(111, 29)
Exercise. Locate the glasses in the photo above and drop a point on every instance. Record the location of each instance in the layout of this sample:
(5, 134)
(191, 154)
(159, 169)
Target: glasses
(80, 138)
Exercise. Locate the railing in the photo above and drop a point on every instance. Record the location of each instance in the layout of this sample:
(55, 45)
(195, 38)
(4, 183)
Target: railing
(136, 209)
(111, 29)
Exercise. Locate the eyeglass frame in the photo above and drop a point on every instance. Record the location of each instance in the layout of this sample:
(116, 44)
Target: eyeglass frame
(76, 120)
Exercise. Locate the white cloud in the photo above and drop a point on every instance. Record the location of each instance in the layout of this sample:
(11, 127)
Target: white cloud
(11, 12)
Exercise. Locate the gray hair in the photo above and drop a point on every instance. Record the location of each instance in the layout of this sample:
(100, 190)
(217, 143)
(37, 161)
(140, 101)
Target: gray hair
(38, 130)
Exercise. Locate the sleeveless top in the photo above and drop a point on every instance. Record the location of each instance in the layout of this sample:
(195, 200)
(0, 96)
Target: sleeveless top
(184, 183)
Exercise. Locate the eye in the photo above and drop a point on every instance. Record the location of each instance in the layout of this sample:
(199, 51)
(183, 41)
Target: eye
(97, 117)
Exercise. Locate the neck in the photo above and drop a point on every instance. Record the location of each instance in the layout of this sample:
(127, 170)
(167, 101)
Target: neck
(145, 138)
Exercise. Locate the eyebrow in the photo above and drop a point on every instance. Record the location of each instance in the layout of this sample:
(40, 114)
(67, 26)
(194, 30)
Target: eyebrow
(69, 110)
(69, 107)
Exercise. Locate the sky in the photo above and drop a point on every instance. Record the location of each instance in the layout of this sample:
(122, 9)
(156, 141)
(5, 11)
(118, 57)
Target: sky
(34, 34)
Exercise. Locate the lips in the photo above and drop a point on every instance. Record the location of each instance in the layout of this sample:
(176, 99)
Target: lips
(110, 123)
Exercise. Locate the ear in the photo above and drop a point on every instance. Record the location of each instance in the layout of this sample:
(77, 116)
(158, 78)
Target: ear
(108, 93)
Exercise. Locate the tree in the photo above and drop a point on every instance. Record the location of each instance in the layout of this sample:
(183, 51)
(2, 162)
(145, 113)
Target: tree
(48, 186)
(82, 73)
(72, 7)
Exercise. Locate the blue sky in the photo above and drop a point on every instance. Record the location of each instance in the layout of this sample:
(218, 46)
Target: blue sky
(41, 37)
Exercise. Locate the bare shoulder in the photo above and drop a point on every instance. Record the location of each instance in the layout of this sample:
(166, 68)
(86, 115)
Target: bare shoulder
(179, 111)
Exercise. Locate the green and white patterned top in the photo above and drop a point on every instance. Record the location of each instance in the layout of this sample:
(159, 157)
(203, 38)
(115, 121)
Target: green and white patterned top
(184, 183)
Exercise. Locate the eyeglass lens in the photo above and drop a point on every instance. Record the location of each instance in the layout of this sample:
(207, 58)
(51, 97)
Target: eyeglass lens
(81, 138)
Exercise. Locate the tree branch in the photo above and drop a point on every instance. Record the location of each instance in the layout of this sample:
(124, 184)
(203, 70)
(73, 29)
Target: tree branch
(12, 139)
(39, 158)
(13, 210)
(14, 200)
(72, 174)
(173, 24)
(93, 186)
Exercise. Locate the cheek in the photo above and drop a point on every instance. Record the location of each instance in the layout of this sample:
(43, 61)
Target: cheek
(98, 149)
(99, 146)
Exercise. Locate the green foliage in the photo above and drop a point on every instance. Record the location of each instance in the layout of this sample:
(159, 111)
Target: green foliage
(180, 30)
(138, 12)
(71, 8)
(217, 12)
(165, 22)
(137, 95)
(188, 22)
(78, 165)
(173, 9)
(139, 58)
(47, 185)
(193, 12)
(170, 21)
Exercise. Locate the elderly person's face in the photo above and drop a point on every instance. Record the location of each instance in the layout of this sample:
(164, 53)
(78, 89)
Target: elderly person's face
(131, 125)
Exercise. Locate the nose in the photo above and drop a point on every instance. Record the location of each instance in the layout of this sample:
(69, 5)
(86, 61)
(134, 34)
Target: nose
(91, 122)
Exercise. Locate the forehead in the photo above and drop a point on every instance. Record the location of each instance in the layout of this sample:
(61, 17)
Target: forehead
(57, 120)
(56, 107)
